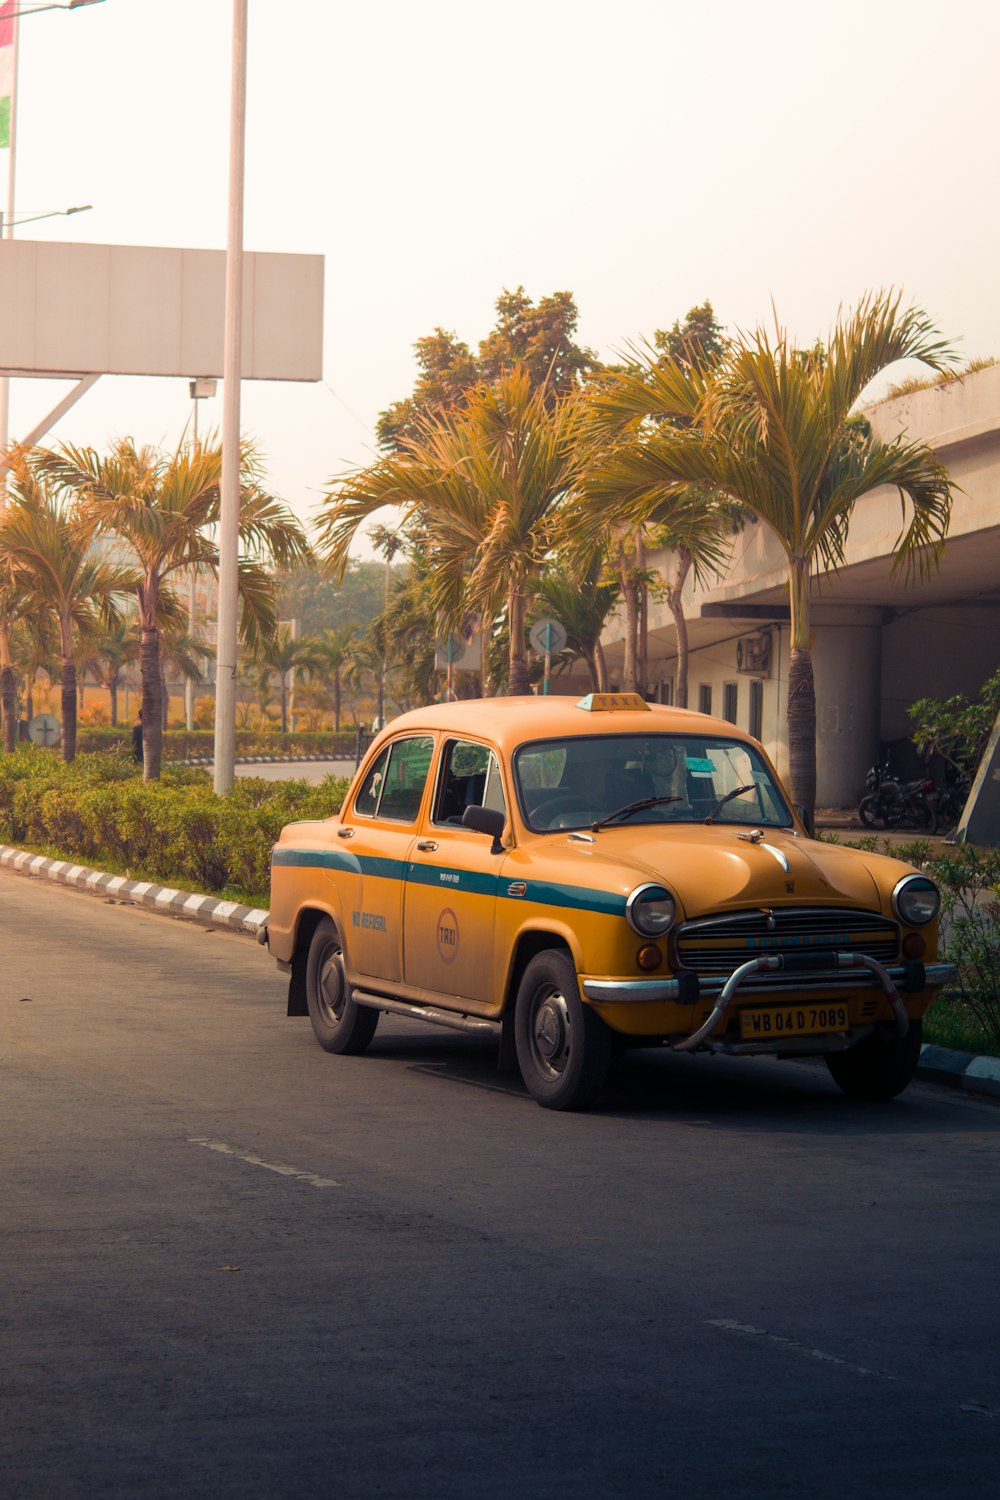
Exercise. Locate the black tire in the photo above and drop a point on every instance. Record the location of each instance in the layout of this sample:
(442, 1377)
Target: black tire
(563, 1047)
(877, 1068)
(338, 1023)
(868, 812)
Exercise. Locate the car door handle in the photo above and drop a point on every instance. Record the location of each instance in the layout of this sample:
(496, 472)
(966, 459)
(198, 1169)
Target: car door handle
(426, 845)
(345, 833)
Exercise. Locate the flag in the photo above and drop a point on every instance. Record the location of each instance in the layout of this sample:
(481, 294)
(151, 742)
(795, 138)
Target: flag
(6, 70)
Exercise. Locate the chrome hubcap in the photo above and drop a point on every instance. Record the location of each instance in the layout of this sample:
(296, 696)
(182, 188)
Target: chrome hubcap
(550, 1033)
(332, 990)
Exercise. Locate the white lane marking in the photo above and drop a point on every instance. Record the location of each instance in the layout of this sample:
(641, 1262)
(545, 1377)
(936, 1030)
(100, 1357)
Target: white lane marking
(730, 1325)
(258, 1161)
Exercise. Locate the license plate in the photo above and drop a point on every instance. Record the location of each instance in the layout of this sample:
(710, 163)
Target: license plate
(792, 1020)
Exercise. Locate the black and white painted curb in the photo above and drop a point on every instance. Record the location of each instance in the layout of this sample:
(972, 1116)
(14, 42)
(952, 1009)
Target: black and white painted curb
(960, 1070)
(210, 909)
(261, 760)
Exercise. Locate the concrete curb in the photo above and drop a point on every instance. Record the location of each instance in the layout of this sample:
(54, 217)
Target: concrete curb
(958, 1070)
(204, 909)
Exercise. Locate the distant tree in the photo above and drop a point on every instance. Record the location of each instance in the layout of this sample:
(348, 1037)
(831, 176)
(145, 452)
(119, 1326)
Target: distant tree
(539, 338)
(332, 655)
(282, 654)
(320, 602)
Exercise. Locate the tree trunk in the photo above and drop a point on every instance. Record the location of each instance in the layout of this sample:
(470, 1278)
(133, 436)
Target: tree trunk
(164, 697)
(29, 696)
(8, 689)
(69, 708)
(518, 681)
(630, 600)
(283, 680)
(113, 693)
(675, 602)
(152, 725)
(642, 630)
(336, 701)
(801, 693)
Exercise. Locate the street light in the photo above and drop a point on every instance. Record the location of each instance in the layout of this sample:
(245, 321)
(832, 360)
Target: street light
(53, 213)
(33, 10)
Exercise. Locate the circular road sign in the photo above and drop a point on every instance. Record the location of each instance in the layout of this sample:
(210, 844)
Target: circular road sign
(547, 635)
(44, 730)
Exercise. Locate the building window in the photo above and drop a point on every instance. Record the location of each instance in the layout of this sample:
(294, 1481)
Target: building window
(704, 697)
(666, 690)
(730, 699)
(756, 708)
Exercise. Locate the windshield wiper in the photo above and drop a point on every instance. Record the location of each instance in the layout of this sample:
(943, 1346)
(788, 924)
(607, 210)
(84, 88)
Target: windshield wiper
(738, 792)
(631, 807)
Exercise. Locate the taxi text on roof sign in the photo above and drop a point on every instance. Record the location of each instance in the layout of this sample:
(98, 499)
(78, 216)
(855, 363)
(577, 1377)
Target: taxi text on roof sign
(613, 703)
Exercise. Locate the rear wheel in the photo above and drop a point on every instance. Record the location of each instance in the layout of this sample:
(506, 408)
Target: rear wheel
(563, 1047)
(877, 1068)
(338, 1023)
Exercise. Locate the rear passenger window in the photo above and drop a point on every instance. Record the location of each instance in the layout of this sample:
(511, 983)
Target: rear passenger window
(394, 786)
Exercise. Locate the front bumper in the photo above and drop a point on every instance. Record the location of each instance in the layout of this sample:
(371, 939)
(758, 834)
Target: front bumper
(776, 976)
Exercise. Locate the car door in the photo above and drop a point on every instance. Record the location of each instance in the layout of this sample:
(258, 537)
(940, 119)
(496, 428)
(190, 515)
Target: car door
(380, 828)
(451, 881)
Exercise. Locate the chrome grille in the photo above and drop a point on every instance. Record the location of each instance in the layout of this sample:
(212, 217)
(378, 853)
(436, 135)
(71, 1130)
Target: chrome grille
(717, 945)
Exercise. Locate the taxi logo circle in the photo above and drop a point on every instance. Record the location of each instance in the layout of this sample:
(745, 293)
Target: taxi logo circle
(447, 936)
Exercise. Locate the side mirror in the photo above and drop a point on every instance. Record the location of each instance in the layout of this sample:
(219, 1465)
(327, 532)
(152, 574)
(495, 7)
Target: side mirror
(486, 820)
(807, 819)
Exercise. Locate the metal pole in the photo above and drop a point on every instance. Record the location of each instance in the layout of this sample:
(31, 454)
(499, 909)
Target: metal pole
(192, 611)
(8, 233)
(225, 671)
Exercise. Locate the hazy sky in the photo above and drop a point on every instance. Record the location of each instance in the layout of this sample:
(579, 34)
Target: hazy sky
(642, 155)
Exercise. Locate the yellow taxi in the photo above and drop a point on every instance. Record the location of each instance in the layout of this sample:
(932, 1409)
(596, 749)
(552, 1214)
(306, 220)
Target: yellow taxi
(577, 877)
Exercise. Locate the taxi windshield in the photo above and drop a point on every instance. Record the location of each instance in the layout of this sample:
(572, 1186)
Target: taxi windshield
(627, 779)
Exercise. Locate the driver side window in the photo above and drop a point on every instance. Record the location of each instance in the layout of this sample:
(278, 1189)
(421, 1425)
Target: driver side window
(470, 777)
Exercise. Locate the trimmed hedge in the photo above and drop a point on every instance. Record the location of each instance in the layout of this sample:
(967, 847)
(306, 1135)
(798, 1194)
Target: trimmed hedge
(178, 744)
(175, 831)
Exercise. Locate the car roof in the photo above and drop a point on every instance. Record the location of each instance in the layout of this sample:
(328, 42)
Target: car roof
(510, 722)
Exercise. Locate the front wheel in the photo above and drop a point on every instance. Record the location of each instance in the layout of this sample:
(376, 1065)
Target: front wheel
(877, 1068)
(867, 812)
(339, 1024)
(563, 1047)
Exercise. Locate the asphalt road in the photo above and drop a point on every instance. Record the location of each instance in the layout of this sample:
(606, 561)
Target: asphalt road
(234, 1266)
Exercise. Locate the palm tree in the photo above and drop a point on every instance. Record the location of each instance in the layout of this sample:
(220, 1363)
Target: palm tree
(582, 606)
(161, 506)
(772, 428)
(482, 484)
(282, 655)
(54, 569)
(332, 654)
(115, 649)
(34, 649)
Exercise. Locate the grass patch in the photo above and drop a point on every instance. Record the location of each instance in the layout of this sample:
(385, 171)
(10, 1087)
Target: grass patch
(950, 1023)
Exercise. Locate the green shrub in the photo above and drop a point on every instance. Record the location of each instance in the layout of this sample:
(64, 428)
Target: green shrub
(175, 831)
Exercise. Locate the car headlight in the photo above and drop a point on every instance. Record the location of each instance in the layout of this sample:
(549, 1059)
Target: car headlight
(916, 900)
(650, 910)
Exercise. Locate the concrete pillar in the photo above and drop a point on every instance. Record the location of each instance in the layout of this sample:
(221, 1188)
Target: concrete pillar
(847, 663)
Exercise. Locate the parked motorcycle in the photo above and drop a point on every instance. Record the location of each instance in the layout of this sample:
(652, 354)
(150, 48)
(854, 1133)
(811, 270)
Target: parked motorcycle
(949, 800)
(890, 803)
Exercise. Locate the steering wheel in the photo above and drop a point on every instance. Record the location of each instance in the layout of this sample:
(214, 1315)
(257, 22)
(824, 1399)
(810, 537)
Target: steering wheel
(559, 806)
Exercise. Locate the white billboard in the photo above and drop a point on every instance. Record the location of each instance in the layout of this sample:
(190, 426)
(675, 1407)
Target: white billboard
(70, 310)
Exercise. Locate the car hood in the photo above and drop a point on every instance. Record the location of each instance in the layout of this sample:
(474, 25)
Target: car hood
(710, 867)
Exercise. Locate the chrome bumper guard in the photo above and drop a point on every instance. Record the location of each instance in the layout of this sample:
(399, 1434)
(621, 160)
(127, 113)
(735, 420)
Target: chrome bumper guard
(805, 970)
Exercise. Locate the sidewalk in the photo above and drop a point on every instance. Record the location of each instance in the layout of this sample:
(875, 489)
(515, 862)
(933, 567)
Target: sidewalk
(959, 1070)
